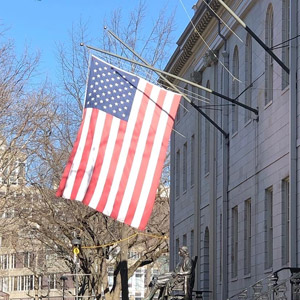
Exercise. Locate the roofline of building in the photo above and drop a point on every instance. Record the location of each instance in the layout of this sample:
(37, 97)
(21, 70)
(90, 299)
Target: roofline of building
(190, 37)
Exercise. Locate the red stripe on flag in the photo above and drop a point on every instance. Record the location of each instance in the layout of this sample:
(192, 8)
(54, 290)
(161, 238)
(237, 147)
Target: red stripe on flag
(131, 152)
(160, 163)
(85, 154)
(65, 175)
(146, 156)
(99, 160)
(112, 167)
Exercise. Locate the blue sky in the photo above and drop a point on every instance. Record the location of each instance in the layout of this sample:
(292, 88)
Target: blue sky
(41, 24)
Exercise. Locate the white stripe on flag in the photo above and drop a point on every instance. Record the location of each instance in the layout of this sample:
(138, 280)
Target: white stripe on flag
(140, 148)
(92, 157)
(125, 148)
(77, 159)
(113, 133)
(160, 132)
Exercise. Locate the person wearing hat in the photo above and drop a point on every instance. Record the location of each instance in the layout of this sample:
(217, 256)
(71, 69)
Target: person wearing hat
(166, 281)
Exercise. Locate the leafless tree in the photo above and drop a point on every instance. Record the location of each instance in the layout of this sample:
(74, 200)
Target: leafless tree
(27, 112)
(105, 243)
(24, 114)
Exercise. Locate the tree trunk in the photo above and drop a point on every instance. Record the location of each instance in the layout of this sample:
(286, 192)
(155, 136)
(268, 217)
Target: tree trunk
(124, 264)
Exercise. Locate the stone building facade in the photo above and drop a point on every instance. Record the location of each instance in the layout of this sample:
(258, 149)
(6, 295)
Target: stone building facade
(234, 183)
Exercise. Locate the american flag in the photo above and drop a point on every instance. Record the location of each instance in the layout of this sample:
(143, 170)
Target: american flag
(118, 156)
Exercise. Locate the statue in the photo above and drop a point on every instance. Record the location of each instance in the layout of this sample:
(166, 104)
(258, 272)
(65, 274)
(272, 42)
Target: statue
(165, 282)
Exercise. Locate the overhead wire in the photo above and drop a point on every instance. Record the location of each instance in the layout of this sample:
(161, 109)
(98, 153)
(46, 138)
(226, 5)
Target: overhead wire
(274, 70)
(139, 71)
(127, 67)
(222, 20)
(263, 61)
(277, 46)
(206, 44)
(253, 51)
(195, 96)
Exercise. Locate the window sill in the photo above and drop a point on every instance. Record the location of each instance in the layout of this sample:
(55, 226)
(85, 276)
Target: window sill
(286, 89)
(248, 122)
(234, 134)
(269, 270)
(268, 104)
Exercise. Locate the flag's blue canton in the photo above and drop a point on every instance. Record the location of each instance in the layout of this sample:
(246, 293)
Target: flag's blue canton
(110, 89)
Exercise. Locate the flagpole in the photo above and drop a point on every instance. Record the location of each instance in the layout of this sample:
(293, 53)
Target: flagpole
(243, 24)
(160, 72)
(175, 88)
(171, 84)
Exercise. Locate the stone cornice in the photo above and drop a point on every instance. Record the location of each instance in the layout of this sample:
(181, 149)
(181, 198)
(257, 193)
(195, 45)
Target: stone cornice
(190, 37)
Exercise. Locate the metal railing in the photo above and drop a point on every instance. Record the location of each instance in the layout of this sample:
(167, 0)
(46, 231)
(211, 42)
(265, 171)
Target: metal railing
(282, 284)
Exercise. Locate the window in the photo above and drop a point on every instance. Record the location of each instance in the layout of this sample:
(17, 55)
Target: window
(8, 213)
(177, 175)
(184, 240)
(139, 279)
(14, 283)
(52, 281)
(192, 243)
(269, 27)
(248, 76)
(4, 261)
(192, 160)
(269, 228)
(184, 168)
(28, 259)
(247, 238)
(4, 284)
(234, 242)
(176, 251)
(134, 255)
(235, 90)
(40, 281)
(185, 103)
(29, 282)
(206, 137)
(285, 36)
(23, 283)
(285, 220)
(13, 261)
(8, 261)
